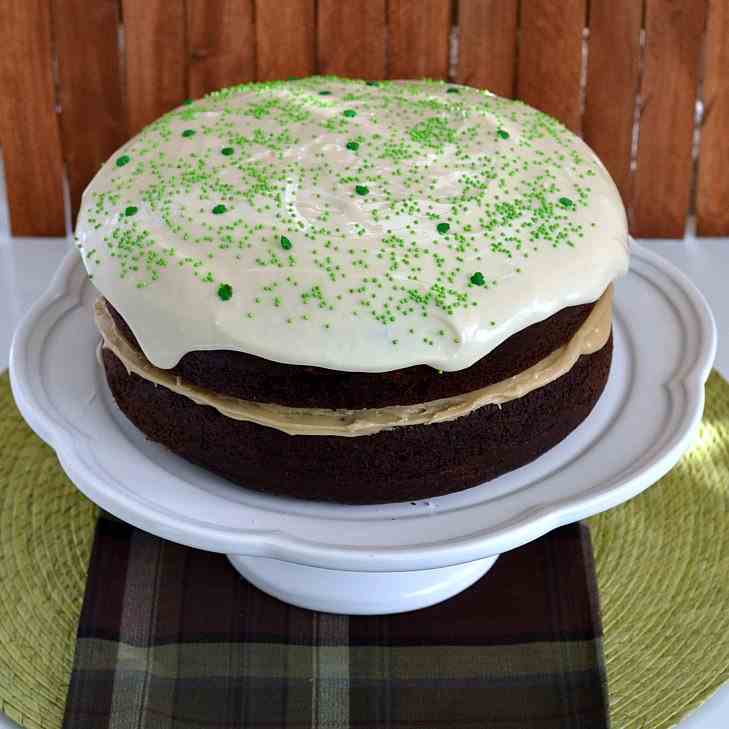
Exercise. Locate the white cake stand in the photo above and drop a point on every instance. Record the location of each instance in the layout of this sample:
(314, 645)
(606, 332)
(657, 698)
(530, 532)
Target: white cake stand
(385, 558)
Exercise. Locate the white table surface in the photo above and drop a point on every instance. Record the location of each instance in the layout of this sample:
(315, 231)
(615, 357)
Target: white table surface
(26, 265)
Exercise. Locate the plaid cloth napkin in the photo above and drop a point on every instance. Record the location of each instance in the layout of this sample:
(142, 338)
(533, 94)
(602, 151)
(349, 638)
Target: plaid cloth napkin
(171, 637)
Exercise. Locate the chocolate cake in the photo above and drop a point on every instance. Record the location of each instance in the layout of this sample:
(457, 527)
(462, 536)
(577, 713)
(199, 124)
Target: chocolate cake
(355, 291)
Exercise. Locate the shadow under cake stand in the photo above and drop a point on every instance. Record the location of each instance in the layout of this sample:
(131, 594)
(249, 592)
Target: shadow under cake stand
(382, 558)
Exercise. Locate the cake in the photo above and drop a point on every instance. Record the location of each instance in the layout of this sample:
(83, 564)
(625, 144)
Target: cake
(355, 291)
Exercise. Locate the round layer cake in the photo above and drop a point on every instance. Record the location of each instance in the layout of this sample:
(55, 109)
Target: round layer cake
(355, 291)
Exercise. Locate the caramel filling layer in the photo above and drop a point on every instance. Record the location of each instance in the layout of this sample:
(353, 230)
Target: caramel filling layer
(589, 338)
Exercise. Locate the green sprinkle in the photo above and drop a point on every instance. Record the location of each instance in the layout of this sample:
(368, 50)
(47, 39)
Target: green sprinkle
(131, 210)
(219, 209)
(442, 227)
(373, 83)
(227, 151)
(477, 279)
(123, 160)
(503, 133)
(566, 202)
(362, 190)
(453, 90)
(225, 291)
(188, 133)
(349, 113)
(324, 92)
(354, 146)
(286, 244)
(187, 102)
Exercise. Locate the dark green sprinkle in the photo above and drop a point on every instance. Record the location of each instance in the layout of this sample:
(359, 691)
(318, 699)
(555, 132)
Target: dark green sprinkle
(324, 92)
(123, 160)
(373, 83)
(286, 244)
(188, 133)
(477, 279)
(566, 202)
(227, 151)
(362, 190)
(354, 146)
(442, 227)
(349, 112)
(220, 209)
(453, 90)
(225, 291)
(187, 102)
(503, 133)
(131, 210)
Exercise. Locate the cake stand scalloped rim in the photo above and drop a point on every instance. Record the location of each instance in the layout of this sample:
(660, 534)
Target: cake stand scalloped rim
(684, 392)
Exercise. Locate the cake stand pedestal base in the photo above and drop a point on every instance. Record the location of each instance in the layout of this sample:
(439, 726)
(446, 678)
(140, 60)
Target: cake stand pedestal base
(358, 593)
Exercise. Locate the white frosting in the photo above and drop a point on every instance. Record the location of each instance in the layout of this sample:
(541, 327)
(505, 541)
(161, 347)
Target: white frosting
(369, 283)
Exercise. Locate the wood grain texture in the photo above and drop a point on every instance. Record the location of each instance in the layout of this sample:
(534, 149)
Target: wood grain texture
(156, 59)
(550, 55)
(487, 45)
(712, 202)
(222, 44)
(29, 133)
(418, 38)
(93, 122)
(351, 38)
(285, 39)
(674, 30)
(612, 85)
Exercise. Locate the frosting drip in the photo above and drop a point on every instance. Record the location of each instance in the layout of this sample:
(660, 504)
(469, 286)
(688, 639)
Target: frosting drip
(590, 338)
(353, 226)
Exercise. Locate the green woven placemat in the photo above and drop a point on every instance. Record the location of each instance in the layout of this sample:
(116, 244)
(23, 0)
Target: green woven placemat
(662, 565)
(46, 529)
(662, 561)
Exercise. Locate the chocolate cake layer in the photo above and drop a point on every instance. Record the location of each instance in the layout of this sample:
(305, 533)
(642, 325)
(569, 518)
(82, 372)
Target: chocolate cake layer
(249, 377)
(402, 464)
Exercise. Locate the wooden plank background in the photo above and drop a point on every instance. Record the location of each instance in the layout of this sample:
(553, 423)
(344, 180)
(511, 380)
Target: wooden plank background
(712, 204)
(285, 39)
(674, 30)
(155, 59)
(90, 91)
(79, 78)
(351, 38)
(550, 58)
(29, 135)
(487, 44)
(222, 44)
(612, 85)
(418, 37)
